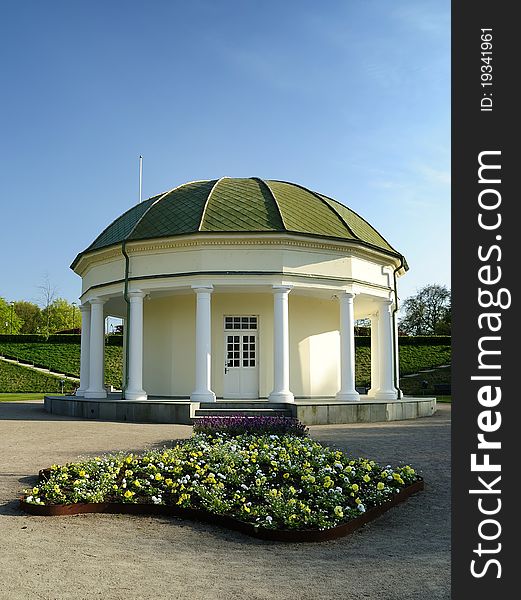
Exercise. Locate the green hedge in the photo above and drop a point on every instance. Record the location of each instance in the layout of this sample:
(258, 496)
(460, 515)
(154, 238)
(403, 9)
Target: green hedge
(14, 378)
(59, 338)
(63, 358)
(364, 341)
(413, 358)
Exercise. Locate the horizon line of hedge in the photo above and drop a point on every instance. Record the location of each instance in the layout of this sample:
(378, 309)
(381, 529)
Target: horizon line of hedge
(57, 338)
(117, 340)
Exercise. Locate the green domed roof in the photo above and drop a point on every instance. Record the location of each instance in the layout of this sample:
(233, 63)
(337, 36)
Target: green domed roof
(230, 205)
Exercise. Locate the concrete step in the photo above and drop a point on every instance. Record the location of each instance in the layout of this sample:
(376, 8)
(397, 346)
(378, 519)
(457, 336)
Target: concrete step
(243, 404)
(249, 412)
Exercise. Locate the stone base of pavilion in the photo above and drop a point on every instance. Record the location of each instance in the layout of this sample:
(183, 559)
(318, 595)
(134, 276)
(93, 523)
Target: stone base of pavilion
(310, 411)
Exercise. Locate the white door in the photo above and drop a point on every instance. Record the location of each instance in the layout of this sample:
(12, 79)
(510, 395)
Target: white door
(241, 371)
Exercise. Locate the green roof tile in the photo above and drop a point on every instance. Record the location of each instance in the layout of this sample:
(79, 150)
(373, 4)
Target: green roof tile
(359, 226)
(119, 229)
(241, 205)
(235, 205)
(304, 212)
(179, 211)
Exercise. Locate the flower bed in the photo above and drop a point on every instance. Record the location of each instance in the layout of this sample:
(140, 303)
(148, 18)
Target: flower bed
(240, 424)
(264, 482)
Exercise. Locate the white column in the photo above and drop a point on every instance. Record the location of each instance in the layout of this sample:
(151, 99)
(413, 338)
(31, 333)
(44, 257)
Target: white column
(375, 357)
(203, 345)
(85, 350)
(347, 390)
(97, 350)
(134, 390)
(124, 349)
(281, 391)
(386, 391)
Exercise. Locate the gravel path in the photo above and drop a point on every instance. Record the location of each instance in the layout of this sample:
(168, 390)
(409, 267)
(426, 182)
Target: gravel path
(403, 555)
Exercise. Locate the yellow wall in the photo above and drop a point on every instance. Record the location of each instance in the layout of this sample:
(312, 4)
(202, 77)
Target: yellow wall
(314, 346)
(169, 343)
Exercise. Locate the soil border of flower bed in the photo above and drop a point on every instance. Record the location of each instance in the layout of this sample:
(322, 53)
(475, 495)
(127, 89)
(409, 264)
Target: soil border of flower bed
(257, 531)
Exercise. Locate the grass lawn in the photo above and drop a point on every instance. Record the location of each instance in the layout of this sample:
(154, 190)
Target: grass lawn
(20, 397)
(447, 399)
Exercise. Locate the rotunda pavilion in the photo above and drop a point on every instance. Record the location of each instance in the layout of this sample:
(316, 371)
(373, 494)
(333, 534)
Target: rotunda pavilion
(240, 289)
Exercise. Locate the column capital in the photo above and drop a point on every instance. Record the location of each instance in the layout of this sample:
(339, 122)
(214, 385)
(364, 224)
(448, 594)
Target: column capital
(84, 307)
(97, 301)
(136, 295)
(282, 289)
(347, 294)
(201, 288)
(385, 302)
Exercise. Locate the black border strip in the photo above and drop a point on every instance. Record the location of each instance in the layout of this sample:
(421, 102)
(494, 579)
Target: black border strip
(287, 535)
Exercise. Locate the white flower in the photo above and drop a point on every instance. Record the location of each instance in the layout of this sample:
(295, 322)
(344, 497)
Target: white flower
(29, 499)
(244, 486)
(269, 519)
(361, 508)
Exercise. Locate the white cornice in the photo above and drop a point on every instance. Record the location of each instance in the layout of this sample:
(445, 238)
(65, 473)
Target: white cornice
(215, 240)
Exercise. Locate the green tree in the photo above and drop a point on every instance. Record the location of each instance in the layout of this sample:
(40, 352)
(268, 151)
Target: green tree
(59, 315)
(10, 322)
(30, 315)
(428, 312)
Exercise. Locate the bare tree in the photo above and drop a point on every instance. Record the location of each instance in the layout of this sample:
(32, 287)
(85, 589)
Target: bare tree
(48, 292)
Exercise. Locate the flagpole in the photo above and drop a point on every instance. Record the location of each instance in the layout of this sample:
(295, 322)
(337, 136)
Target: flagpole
(140, 178)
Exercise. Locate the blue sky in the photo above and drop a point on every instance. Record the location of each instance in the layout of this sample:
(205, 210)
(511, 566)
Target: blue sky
(349, 98)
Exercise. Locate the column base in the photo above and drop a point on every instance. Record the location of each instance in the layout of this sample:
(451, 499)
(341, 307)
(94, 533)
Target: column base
(386, 395)
(371, 392)
(348, 396)
(208, 396)
(135, 395)
(281, 397)
(95, 393)
(80, 393)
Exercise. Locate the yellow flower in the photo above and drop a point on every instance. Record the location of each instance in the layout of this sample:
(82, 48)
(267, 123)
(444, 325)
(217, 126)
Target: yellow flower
(169, 482)
(158, 477)
(286, 475)
(137, 483)
(128, 460)
(246, 508)
(367, 479)
(358, 501)
(338, 511)
(57, 489)
(355, 487)
(380, 486)
(128, 494)
(82, 473)
(35, 490)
